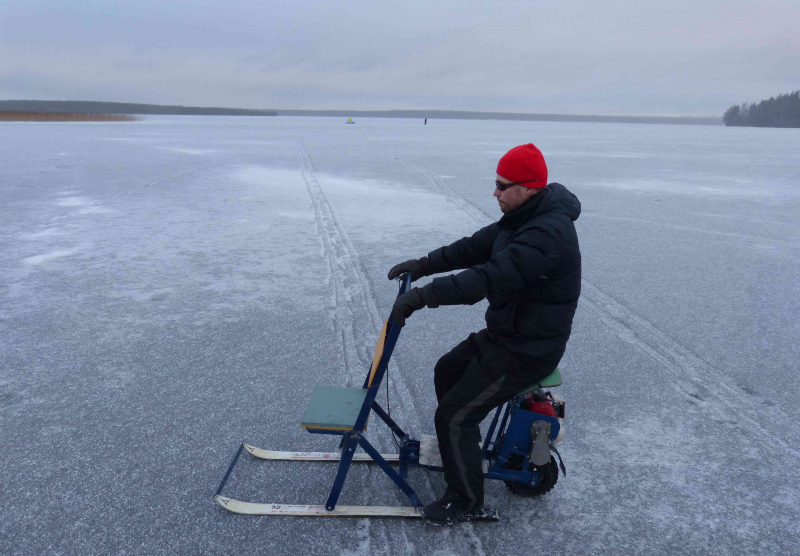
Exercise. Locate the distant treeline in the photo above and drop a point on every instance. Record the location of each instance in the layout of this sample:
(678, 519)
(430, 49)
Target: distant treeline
(781, 111)
(92, 107)
(22, 116)
(520, 116)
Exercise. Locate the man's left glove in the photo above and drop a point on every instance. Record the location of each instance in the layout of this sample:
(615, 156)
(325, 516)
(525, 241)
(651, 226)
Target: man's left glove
(416, 267)
(413, 300)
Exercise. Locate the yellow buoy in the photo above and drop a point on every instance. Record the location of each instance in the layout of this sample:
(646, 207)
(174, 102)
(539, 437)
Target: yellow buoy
(349, 121)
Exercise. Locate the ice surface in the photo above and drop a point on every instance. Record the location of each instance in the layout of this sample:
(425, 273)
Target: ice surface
(172, 287)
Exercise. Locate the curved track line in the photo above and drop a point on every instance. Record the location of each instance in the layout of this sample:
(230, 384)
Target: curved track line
(479, 216)
(352, 290)
(745, 237)
(720, 396)
(689, 372)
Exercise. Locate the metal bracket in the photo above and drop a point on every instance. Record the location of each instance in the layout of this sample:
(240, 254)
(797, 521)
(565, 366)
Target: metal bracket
(540, 448)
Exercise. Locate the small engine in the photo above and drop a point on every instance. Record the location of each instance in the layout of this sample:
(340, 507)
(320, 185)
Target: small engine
(544, 402)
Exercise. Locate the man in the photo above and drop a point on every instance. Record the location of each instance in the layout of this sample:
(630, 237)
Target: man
(528, 266)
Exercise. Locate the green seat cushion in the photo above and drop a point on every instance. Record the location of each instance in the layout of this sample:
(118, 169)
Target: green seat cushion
(553, 379)
(333, 408)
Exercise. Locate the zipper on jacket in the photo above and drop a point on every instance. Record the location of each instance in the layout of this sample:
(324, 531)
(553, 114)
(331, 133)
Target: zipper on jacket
(514, 323)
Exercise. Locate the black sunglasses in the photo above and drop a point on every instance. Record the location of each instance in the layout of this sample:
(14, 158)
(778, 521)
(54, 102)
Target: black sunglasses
(503, 186)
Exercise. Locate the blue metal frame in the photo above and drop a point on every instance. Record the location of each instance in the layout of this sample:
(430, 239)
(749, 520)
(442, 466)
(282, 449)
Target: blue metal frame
(354, 438)
(513, 428)
(230, 468)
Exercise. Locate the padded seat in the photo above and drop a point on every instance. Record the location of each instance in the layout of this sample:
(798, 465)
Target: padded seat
(553, 379)
(333, 408)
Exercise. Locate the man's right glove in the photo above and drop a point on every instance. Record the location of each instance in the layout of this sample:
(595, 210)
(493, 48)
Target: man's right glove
(417, 267)
(413, 300)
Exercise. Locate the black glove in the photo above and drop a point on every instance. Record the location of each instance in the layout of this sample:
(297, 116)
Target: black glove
(406, 304)
(413, 300)
(417, 267)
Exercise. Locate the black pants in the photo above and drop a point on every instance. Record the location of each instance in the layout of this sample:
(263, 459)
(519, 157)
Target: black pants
(472, 379)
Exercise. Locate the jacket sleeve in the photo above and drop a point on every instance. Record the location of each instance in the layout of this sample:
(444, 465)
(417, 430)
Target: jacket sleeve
(530, 255)
(466, 252)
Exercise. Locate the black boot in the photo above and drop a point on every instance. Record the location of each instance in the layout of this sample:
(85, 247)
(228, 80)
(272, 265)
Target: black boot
(446, 511)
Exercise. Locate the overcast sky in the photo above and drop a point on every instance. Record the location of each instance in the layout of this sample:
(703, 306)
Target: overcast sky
(639, 57)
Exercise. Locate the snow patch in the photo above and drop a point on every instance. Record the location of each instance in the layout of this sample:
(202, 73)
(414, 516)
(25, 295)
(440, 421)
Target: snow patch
(193, 152)
(678, 188)
(86, 206)
(270, 177)
(39, 259)
(95, 208)
(49, 232)
(74, 202)
(388, 210)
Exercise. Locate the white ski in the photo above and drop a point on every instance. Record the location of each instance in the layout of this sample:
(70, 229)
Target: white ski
(312, 456)
(249, 508)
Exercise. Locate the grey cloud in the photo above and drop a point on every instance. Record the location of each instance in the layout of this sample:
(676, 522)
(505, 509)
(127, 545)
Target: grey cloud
(644, 58)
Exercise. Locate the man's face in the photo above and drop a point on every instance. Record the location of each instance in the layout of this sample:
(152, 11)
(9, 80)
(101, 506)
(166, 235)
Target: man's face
(513, 196)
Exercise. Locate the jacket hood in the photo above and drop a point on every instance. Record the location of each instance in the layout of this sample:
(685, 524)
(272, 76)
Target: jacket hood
(561, 199)
(554, 198)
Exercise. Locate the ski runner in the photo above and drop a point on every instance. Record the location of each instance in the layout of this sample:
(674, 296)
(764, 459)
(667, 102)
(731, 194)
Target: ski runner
(528, 266)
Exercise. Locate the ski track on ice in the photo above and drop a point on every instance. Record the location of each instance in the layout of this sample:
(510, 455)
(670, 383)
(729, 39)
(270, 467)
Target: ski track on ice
(352, 294)
(343, 275)
(477, 215)
(450, 195)
(725, 401)
(695, 378)
(745, 237)
(351, 284)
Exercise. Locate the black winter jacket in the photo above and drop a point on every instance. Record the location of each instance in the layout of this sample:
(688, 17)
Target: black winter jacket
(528, 265)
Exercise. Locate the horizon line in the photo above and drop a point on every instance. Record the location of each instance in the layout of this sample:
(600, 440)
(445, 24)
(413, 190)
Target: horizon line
(360, 110)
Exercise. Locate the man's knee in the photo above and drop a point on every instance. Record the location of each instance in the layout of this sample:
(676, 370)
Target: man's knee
(447, 372)
(455, 360)
(453, 411)
(442, 418)
(446, 365)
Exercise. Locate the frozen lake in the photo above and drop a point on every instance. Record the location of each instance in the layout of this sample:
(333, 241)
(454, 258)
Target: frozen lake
(173, 287)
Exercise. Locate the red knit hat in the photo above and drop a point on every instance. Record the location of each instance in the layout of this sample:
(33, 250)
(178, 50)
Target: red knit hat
(524, 164)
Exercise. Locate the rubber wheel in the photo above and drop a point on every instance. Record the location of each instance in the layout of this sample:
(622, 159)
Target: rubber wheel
(548, 476)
